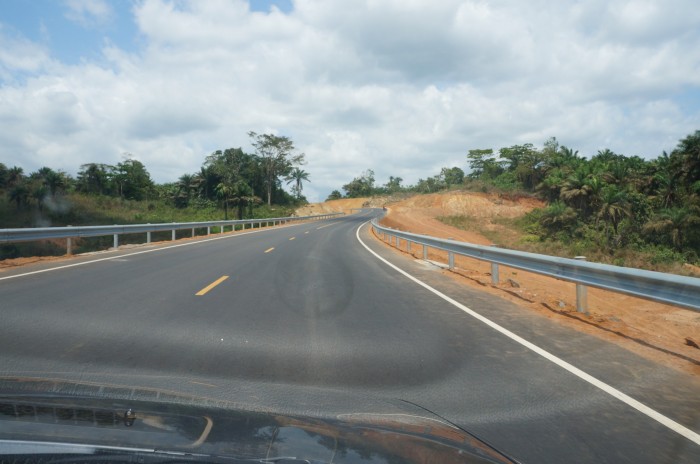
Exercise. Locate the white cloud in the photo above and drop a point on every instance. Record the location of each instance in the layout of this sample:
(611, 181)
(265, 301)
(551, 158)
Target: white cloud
(19, 55)
(402, 87)
(88, 13)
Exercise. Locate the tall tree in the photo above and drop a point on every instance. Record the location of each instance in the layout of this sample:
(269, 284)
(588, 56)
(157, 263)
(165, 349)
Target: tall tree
(94, 178)
(133, 180)
(334, 195)
(3, 176)
(186, 186)
(205, 181)
(224, 191)
(297, 176)
(15, 175)
(19, 193)
(452, 176)
(685, 159)
(277, 158)
(241, 195)
(361, 186)
(394, 184)
(484, 164)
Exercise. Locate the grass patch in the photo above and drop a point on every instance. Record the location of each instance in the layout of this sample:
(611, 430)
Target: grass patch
(517, 234)
(90, 210)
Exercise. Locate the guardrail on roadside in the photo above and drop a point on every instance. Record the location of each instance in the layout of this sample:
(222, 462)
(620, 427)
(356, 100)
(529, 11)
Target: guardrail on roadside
(70, 232)
(657, 286)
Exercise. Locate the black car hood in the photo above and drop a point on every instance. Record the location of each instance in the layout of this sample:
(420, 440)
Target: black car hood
(109, 418)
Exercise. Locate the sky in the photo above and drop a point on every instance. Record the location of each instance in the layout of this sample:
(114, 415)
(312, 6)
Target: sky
(403, 87)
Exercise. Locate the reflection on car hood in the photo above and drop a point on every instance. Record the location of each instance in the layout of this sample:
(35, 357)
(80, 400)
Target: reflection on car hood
(193, 428)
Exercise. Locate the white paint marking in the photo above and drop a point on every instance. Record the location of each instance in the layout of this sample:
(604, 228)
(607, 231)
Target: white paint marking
(641, 407)
(229, 235)
(327, 225)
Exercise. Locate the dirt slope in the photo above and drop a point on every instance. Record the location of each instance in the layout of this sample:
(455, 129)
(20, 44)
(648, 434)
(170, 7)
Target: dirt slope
(345, 205)
(660, 332)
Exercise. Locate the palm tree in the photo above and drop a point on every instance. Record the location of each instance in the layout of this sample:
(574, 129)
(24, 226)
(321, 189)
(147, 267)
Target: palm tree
(205, 182)
(185, 188)
(19, 193)
(224, 191)
(617, 173)
(675, 223)
(595, 188)
(557, 216)
(39, 194)
(685, 159)
(14, 176)
(575, 191)
(297, 176)
(551, 185)
(614, 207)
(241, 195)
(54, 181)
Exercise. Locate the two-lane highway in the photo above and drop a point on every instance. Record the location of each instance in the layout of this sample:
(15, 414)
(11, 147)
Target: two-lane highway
(278, 316)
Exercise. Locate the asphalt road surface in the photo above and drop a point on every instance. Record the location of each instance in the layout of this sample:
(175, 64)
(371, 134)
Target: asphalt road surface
(279, 317)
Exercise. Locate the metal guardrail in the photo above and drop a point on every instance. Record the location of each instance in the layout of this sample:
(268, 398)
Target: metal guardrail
(657, 286)
(70, 232)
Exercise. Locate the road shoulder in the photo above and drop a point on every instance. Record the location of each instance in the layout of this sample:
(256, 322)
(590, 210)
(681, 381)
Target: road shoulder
(669, 391)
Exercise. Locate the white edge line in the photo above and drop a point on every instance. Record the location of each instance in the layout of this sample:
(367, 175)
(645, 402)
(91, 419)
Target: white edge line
(644, 409)
(228, 235)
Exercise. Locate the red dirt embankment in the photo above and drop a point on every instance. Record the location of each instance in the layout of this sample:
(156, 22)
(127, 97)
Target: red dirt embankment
(660, 332)
(344, 205)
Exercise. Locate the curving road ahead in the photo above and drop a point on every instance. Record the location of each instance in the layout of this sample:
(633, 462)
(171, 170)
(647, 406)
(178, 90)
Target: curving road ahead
(280, 317)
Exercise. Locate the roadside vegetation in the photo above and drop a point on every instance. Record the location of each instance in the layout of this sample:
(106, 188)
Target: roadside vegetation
(612, 208)
(230, 184)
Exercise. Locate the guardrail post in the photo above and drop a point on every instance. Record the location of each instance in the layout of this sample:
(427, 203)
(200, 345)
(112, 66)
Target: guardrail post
(208, 230)
(398, 242)
(495, 278)
(193, 231)
(173, 234)
(581, 293)
(116, 240)
(451, 260)
(69, 244)
(425, 252)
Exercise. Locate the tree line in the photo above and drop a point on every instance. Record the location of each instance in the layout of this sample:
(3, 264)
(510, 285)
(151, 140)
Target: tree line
(229, 178)
(364, 185)
(608, 200)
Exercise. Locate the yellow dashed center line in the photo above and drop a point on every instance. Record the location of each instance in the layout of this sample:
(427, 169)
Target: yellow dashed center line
(332, 223)
(292, 238)
(269, 250)
(306, 232)
(211, 285)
